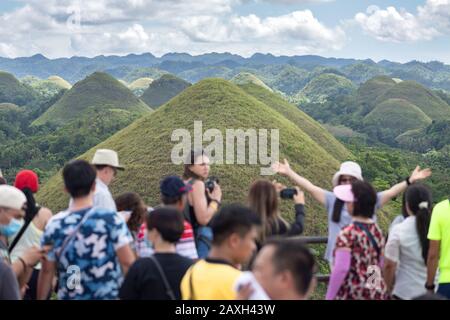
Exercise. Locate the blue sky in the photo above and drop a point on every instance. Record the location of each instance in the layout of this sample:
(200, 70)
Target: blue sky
(379, 29)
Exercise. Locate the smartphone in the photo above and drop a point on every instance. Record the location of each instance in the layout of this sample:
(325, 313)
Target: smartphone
(288, 193)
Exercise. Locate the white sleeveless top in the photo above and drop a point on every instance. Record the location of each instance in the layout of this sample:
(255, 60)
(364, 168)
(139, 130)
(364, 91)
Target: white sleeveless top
(31, 237)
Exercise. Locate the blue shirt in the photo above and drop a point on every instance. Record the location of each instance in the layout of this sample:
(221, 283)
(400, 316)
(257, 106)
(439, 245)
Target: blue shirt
(88, 268)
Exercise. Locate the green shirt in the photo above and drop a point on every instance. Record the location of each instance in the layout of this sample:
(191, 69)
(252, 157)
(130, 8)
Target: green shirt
(440, 231)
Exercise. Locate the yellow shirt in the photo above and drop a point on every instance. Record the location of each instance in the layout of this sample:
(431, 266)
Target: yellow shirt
(209, 280)
(440, 230)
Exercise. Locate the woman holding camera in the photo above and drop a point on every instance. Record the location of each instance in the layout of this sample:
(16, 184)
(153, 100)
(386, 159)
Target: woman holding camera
(338, 215)
(263, 198)
(203, 202)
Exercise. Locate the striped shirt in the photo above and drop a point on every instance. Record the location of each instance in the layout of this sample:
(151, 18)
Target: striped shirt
(184, 247)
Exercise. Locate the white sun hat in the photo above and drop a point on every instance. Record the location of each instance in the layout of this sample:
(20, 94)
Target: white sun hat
(348, 168)
(106, 157)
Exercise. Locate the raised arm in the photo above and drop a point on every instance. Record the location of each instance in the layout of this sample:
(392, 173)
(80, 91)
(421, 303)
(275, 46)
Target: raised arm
(395, 190)
(285, 170)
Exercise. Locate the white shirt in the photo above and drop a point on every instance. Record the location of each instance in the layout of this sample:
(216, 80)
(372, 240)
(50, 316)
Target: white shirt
(404, 248)
(103, 197)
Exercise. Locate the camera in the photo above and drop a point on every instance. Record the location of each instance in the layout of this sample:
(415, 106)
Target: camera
(209, 183)
(288, 193)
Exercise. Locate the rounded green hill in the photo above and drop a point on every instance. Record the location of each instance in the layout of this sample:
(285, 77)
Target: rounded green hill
(163, 89)
(145, 147)
(98, 91)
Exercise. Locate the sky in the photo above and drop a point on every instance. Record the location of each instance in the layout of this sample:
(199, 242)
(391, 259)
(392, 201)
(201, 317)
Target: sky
(376, 29)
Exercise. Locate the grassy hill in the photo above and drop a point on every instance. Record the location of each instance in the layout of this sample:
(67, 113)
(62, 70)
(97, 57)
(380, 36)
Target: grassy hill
(162, 90)
(60, 82)
(13, 91)
(46, 88)
(141, 83)
(247, 78)
(326, 86)
(425, 99)
(321, 136)
(138, 73)
(370, 90)
(138, 86)
(398, 115)
(100, 91)
(145, 147)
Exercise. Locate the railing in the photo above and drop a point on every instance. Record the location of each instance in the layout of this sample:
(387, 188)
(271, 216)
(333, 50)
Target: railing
(315, 240)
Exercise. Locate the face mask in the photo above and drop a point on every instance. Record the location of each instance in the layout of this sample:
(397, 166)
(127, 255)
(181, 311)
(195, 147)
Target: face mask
(10, 229)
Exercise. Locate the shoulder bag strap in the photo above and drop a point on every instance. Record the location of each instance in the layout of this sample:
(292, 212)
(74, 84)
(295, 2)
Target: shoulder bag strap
(370, 236)
(169, 290)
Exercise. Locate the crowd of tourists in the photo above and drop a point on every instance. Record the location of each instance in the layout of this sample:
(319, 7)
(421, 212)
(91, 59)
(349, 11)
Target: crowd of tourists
(191, 246)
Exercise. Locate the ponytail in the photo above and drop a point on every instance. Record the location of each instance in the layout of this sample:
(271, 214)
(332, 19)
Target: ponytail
(31, 205)
(422, 225)
(337, 210)
(418, 200)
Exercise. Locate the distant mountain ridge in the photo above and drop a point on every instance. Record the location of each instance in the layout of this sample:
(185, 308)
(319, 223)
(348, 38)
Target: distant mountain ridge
(433, 74)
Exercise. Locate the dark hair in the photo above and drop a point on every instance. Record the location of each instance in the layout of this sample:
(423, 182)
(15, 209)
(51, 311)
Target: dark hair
(337, 210)
(2, 180)
(292, 255)
(365, 199)
(414, 195)
(79, 177)
(131, 201)
(233, 218)
(31, 205)
(168, 221)
(404, 211)
(170, 200)
(190, 161)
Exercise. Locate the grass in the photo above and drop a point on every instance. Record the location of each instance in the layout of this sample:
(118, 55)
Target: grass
(425, 99)
(369, 91)
(141, 83)
(307, 124)
(398, 115)
(248, 78)
(60, 82)
(13, 91)
(99, 91)
(162, 90)
(326, 85)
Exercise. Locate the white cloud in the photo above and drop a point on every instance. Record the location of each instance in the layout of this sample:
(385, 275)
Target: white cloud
(158, 26)
(398, 25)
(298, 29)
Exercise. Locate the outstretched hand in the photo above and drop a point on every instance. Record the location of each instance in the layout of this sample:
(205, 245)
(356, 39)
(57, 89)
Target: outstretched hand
(419, 174)
(282, 168)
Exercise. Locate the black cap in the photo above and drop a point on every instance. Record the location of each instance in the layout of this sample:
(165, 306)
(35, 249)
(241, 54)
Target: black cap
(173, 186)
